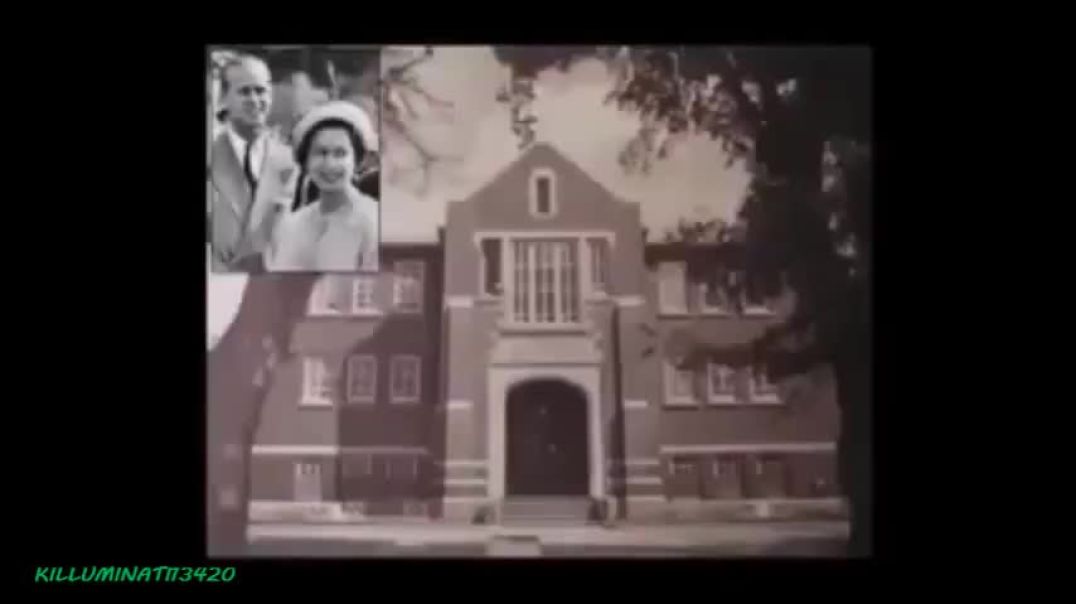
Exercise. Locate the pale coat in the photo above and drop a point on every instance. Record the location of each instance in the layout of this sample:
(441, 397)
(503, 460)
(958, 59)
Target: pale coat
(233, 234)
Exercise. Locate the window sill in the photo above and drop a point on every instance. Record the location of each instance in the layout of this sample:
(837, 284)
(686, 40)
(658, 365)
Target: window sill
(406, 311)
(316, 403)
(321, 314)
(758, 311)
(714, 312)
(768, 400)
(674, 313)
(360, 401)
(681, 403)
(506, 326)
(348, 315)
(408, 402)
(723, 401)
(368, 312)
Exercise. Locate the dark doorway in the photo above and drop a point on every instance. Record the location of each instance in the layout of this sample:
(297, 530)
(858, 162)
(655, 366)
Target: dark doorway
(547, 439)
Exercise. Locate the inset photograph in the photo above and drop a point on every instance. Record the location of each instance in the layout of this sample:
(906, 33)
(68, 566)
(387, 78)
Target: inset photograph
(293, 176)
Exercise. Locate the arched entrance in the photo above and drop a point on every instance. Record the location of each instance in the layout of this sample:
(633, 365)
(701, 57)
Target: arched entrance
(547, 452)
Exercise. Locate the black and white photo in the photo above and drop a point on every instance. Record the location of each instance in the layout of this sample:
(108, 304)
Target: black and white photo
(293, 169)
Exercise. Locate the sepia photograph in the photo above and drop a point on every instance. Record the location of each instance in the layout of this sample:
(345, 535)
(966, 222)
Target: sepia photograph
(293, 172)
(620, 304)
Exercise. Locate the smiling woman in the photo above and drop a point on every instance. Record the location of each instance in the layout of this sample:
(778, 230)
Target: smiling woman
(338, 231)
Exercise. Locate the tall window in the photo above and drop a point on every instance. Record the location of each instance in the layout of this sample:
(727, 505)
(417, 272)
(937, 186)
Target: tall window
(543, 200)
(721, 388)
(546, 278)
(318, 382)
(362, 378)
(491, 267)
(405, 378)
(762, 389)
(752, 297)
(362, 294)
(712, 296)
(679, 385)
(307, 482)
(407, 291)
(327, 297)
(672, 287)
(599, 263)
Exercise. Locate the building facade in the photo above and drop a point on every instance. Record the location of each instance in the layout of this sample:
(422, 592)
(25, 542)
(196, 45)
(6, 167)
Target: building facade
(514, 366)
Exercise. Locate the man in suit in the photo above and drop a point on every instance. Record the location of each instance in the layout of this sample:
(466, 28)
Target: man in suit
(248, 162)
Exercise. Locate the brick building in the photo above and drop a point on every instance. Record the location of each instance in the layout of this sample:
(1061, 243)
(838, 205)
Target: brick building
(513, 367)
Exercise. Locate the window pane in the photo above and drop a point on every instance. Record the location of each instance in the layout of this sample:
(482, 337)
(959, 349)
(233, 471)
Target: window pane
(363, 293)
(713, 292)
(683, 382)
(721, 379)
(521, 282)
(491, 254)
(672, 286)
(317, 379)
(598, 263)
(362, 377)
(540, 288)
(568, 275)
(549, 248)
(573, 282)
(405, 377)
(541, 192)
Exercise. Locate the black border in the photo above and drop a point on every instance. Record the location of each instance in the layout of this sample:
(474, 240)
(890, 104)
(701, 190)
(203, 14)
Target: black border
(116, 474)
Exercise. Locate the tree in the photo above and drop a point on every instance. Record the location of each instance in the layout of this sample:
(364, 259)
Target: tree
(799, 119)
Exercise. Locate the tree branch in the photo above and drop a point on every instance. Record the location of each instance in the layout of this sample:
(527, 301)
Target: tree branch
(732, 82)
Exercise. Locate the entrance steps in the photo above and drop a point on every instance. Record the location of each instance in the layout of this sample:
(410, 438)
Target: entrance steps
(546, 510)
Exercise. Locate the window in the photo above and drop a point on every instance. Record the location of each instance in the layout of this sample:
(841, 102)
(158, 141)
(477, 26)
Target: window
(358, 466)
(362, 295)
(727, 479)
(326, 298)
(599, 262)
(546, 282)
(362, 378)
(407, 291)
(672, 293)
(769, 477)
(406, 379)
(317, 382)
(307, 482)
(752, 297)
(712, 296)
(679, 385)
(762, 390)
(684, 478)
(543, 201)
(721, 386)
(681, 466)
(491, 267)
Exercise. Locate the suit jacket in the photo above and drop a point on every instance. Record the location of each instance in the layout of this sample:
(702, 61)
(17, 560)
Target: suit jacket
(235, 219)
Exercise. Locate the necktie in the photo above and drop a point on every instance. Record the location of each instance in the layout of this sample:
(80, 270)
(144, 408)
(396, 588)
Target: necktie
(247, 169)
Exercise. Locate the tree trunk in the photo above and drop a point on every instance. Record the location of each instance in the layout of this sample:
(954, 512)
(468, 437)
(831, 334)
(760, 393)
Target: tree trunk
(238, 379)
(853, 367)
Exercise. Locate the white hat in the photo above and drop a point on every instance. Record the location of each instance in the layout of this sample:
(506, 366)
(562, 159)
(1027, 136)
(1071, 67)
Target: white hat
(345, 111)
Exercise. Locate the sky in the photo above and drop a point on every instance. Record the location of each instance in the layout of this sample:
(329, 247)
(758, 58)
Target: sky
(475, 134)
(475, 140)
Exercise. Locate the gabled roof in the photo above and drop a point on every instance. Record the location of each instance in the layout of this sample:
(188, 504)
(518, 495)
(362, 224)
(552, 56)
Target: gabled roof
(541, 154)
